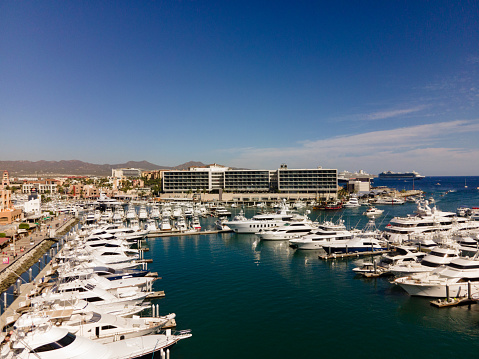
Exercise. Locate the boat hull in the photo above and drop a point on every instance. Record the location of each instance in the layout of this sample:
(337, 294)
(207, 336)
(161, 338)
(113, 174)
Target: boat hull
(436, 290)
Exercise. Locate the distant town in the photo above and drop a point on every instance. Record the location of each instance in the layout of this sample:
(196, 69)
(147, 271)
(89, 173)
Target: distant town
(211, 182)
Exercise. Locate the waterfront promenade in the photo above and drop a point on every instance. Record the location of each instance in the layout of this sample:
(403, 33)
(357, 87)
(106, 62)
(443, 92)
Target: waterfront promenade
(14, 252)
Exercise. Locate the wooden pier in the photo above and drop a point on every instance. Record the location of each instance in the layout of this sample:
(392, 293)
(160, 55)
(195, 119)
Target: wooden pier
(351, 254)
(452, 302)
(156, 295)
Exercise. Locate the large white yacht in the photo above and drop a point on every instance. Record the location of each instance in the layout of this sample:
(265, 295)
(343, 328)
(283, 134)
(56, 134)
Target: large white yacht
(106, 201)
(358, 243)
(49, 342)
(389, 200)
(402, 255)
(452, 278)
(96, 325)
(439, 255)
(264, 221)
(326, 232)
(426, 220)
(289, 231)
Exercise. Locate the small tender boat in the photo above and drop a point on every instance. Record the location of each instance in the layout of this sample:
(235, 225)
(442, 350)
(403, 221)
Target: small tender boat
(373, 212)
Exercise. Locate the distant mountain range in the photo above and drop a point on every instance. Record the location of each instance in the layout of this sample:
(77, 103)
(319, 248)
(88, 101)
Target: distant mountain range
(78, 168)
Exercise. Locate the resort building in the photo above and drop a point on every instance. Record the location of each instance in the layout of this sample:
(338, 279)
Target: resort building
(41, 186)
(125, 172)
(247, 180)
(320, 181)
(215, 178)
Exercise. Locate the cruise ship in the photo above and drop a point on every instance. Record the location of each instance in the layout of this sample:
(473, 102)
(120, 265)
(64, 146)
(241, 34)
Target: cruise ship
(389, 175)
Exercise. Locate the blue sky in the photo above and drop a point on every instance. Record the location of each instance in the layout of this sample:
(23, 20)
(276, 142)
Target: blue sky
(373, 85)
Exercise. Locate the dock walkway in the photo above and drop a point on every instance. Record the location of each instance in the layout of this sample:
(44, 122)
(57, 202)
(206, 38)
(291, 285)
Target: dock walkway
(351, 254)
(12, 255)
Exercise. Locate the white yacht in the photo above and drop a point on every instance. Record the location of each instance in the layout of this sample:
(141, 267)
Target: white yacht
(326, 232)
(155, 212)
(118, 215)
(91, 294)
(263, 221)
(453, 278)
(358, 243)
(96, 325)
(402, 255)
(289, 231)
(143, 214)
(131, 213)
(90, 218)
(352, 203)
(107, 215)
(106, 201)
(181, 224)
(165, 223)
(426, 220)
(389, 200)
(195, 223)
(373, 212)
(221, 211)
(47, 341)
(439, 256)
(150, 226)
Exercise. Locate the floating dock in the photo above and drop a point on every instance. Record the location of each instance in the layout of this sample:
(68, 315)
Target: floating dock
(452, 302)
(156, 295)
(351, 254)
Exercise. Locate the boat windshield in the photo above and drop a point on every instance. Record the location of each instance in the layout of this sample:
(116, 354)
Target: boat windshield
(63, 342)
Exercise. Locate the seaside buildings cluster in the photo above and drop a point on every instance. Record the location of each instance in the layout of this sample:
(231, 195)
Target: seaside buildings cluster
(208, 183)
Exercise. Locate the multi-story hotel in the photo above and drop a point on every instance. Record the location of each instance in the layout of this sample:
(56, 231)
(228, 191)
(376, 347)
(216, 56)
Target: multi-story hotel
(125, 172)
(41, 186)
(219, 178)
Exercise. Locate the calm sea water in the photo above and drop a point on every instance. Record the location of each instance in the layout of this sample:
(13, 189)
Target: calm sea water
(244, 298)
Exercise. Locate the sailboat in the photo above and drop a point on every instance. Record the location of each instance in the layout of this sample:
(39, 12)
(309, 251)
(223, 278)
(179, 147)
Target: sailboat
(465, 183)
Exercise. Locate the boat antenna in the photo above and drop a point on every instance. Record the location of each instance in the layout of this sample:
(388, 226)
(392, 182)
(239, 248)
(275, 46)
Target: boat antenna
(357, 225)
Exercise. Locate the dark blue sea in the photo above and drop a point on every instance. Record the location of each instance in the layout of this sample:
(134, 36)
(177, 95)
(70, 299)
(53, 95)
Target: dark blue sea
(244, 298)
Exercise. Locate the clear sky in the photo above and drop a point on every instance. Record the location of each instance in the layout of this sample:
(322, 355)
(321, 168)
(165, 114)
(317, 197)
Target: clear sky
(373, 85)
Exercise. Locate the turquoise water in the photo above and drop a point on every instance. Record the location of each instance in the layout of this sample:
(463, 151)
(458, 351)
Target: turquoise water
(247, 298)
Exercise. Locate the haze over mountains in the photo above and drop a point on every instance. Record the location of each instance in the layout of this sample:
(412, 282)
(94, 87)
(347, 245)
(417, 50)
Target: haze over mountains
(79, 168)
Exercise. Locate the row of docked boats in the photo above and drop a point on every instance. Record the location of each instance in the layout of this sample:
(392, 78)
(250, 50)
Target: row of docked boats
(451, 264)
(166, 223)
(442, 272)
(92, 307)
(302, 233)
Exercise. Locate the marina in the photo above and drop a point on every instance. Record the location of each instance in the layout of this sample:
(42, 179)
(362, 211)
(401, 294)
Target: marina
(239, 179)
(247, 274)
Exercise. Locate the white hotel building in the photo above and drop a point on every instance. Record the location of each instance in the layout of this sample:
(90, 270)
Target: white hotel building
(215, 178)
